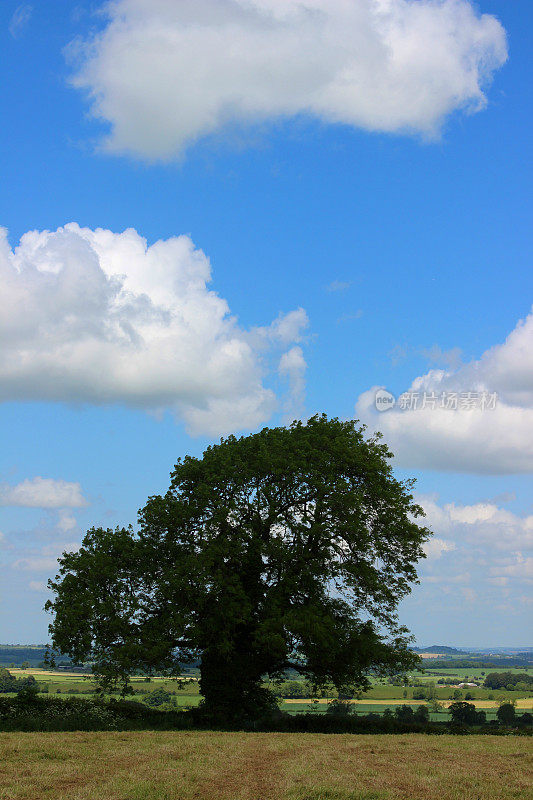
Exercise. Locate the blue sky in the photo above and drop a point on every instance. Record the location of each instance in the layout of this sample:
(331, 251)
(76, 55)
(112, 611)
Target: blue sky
(355, 243)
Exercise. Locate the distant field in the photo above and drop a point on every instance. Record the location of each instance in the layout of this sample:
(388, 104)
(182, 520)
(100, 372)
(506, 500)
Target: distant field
(379, 697)
(432, 655)
(523, 703)
(44, 674)
(239, 766)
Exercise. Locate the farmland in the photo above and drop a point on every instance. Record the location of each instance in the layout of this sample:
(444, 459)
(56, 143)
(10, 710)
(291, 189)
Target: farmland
(238, 766)
(382, 694)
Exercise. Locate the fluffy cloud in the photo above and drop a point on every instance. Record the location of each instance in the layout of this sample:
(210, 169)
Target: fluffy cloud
(435, 547)
(483, 525)
(490, 441)
(287, 328)
(522, 568)
(292, 366)
(99, 317)
(43, 493)
(164, 73)
(66, 522)
(45, 560)
(480, 545)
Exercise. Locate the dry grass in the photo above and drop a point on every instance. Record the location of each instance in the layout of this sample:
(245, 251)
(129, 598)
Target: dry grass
(521, 704)
(263, 766)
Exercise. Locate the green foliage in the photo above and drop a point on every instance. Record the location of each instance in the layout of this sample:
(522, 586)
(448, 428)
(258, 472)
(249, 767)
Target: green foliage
(13, 655)
(463, 713)
(158, 697)
(506, 714)
(520, 660)
(427, 691)
(404, 714)
(8, 683)
(422, 714)
(287, 549)
(34, 713)
(292, 689)
(509, 680)
(340, 707)
(56, 714)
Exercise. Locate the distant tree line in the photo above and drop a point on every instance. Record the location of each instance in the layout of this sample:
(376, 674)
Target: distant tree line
(525, 662)
(513, 681)
(28, 711)
(8, 683)
(292, 690)
(14, 654)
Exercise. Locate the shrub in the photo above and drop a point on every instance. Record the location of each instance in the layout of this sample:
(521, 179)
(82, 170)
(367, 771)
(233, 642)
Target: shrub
(158, 698)
(463, 713)
(422, 714)
(339, 707)
(291, 689)
(506, 714)
(404, 714)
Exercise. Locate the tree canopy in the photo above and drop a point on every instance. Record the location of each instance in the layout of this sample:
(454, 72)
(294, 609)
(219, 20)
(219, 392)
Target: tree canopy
(286, 549)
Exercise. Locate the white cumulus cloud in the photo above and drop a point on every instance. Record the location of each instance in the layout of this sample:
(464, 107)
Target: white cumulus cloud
(66, 521)
(521, 568)
(292, 366)
(435, 547)
(164, 73)
(479, 545)
(45, 560)
(483, 525)
(43, 493)
(99, 317)
(491, 441)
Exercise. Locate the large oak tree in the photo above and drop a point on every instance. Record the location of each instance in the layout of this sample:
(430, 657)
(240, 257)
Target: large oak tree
(287, 549)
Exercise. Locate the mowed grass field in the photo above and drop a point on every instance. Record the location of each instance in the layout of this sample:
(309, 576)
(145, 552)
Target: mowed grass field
(264, 766)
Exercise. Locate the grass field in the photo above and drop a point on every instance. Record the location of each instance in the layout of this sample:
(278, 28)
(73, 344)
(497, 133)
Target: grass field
(239, 766)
